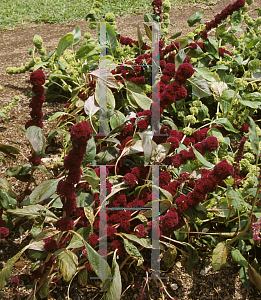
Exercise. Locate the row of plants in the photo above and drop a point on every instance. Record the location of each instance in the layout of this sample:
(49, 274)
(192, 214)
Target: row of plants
(206, 150)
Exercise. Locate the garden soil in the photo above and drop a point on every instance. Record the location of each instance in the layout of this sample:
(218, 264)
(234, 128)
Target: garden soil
(203, 284)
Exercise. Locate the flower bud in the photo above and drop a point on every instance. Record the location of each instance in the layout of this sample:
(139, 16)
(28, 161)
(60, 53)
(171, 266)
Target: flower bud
(38, 41)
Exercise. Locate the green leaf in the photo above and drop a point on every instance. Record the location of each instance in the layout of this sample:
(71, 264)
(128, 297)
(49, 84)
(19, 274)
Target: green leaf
(148, 31)
(193, 257)
(179, 58)
(85, 50)
(44, 290)
(33, 211)
(176, 35)
(195, 18)
(6, 200)
(169, 257)
(117, 119)
(111, 37)
(253, 137)
(239, 258)
(38, 66)
(133, 251)
(6, 271)
(252, 96)
(226, 124)
(200, 87)
(114, 292)
(205, 73)
(64, 43)
(110, 100)
(83, 278)
(90, 152)
(219, 256)
(211, 46)
(136, 96)
(91, 177)
(201, 158)
(147, 148)
(252, 104)
(4, 115)
(252, 43)
(183, 43)
(140, 40)
(19, 171)
(107, 155)
(75, 241)
(76, 36)
(42, 192)
(236, 20)
(144, 242)
(56, 115)
(68, 262)
(9, 150)
(36, 137)
(254, 277)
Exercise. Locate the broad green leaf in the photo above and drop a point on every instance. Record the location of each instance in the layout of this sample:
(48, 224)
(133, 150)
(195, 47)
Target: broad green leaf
(252, 104)
(42, 192)
(57, 115)
(38, 66)
(145, 242)
(75, 241)
(108, 95)
(44, 290)
(183, 43)
(195, 53)
(97, 263)
(252, 96)
(205, 73)
(195, 18)
(9, 150)
(6, 271)
(91, 177)
(252, 43)
(83, 278)
(211, 46)
(147, 148)
(254, 277)
(114, 292)
(117, 119)
(164, 205)
(33, 211)
(201, 158)
(76, 36)
(90, 152)
(226, 124)
(220, 30)
(239, 258)
(133, 251)
(176, 35)
(85, 50)
(140, 40)
(19, 171)
(36, 137)
(107, 155)
(236, 20)
(169, 257)
(193, 257)
(219, 256)
(179, 58)
(148, 31)
(7, 202)
(111, 37)
(64, 43)
(4, 115)
(200, 87)
(253, 137)
(136, 96)
(68, 262)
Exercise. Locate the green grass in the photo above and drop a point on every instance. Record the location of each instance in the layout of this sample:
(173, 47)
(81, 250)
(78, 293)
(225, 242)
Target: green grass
(17, 12)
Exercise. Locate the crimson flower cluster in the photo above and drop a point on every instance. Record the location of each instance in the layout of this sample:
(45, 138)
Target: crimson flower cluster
(80, 134)
(227, 11)
(37, 79)
(135, 75)
(157, 7)
(208, 183)
(130, 42)
(222, 51)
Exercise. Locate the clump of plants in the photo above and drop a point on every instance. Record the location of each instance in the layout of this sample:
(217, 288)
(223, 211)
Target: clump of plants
(192, 174)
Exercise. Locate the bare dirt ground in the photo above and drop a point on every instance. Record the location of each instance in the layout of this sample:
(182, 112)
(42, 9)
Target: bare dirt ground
(14, 44)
